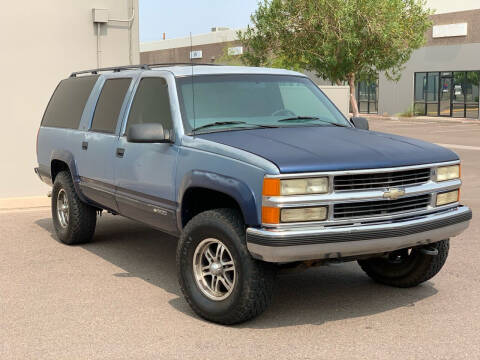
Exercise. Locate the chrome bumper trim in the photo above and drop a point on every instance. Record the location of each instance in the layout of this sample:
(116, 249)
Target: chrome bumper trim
(344, 241)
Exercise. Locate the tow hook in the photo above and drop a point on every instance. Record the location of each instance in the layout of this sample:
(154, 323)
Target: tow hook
(429, 250)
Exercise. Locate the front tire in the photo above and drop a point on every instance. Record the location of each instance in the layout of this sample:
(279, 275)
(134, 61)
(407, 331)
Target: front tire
(73, 220)
(407, 267)
(218, 277)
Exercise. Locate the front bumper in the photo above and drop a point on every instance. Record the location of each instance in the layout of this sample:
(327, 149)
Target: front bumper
(309, 243)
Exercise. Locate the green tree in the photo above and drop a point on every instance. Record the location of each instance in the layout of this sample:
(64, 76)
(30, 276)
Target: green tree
(228, 59)
(239, 60)
(339, 40)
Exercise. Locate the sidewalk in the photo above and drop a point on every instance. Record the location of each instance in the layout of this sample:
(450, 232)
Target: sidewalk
(30, 202)
(422, 119)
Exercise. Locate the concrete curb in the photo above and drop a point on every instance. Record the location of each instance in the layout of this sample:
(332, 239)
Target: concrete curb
(422, 119)
(25, 202)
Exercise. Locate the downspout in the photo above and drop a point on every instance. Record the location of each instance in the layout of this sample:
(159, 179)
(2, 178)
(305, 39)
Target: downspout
(98, 45)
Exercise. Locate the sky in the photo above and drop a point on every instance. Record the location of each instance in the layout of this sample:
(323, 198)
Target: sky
(177, 18)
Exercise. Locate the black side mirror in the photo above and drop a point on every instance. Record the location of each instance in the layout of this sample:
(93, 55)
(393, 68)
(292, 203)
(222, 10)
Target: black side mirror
(148, 133)
(360, 123)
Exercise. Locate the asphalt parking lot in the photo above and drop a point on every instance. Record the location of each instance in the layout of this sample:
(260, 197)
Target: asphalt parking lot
(118, 297)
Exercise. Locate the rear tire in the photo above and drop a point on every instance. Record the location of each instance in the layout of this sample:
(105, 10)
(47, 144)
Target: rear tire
(404, 268)
(74, 221)
(229, 288)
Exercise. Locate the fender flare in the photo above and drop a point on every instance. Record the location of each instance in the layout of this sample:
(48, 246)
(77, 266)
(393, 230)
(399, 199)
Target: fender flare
(67, 157)
(238, 190)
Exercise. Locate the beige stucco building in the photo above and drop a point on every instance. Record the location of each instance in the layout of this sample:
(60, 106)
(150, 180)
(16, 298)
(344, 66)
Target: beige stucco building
(42, 43)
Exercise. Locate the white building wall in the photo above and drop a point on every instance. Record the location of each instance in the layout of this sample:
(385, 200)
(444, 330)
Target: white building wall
(447, 6)
(42, 43)
(199, 39)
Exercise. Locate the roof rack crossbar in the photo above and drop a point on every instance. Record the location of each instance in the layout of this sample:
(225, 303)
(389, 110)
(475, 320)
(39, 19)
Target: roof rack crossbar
(113, 68)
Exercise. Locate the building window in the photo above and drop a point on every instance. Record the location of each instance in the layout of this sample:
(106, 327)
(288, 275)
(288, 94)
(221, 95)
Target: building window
(367, 96)
(236, 50)
(196, 54)
(451, 94)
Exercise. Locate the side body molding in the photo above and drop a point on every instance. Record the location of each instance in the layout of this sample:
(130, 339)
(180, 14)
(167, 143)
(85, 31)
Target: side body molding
(238, 190)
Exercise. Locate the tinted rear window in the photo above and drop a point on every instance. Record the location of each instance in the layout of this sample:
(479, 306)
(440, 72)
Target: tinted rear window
(109, 105)
(66, 106)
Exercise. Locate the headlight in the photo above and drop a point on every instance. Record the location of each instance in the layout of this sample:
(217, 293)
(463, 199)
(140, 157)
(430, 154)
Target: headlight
(303, 214)
(447, 197)
(277, 187)
(448, 172)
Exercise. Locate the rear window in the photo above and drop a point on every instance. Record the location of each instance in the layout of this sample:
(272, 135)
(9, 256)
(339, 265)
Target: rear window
(66, 106)
(109, 105)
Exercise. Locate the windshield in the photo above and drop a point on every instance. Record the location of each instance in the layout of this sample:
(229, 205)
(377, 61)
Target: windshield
(227, 102)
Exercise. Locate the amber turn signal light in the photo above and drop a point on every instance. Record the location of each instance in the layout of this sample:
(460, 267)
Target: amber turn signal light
(270, 215)
(271, 187)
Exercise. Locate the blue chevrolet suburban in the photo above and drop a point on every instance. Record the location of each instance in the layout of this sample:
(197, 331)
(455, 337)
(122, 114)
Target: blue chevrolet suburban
(254, 170)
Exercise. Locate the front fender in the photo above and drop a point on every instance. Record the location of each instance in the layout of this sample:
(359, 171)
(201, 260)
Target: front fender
(232, 187)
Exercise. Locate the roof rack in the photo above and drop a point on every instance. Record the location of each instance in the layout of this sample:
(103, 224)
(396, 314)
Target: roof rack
(114, 69)
(182, 64)
(141, 66)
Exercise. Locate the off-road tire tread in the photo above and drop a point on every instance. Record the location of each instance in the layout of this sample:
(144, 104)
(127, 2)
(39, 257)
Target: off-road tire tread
(427, 269)
(260, 285)
(83, 217)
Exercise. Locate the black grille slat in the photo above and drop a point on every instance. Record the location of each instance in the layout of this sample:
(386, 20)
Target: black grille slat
(381, 203)
(381, 180)
(380, 207)
(349, 178)
(351, 215)
(390, 182)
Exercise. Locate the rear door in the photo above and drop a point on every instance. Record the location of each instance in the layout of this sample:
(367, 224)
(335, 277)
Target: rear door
(98, 146)
(145, 173)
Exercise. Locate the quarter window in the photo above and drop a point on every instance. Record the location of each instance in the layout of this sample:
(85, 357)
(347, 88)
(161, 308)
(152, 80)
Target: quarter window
(109, 105)
(151, 104)
(66, 106)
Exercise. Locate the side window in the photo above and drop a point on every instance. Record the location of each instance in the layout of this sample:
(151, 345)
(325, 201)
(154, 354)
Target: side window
(109, 104)
(66, 106)
(151, 104)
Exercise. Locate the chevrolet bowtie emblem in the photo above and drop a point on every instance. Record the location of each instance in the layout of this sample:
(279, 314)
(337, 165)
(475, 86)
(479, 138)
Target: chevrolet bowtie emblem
(393, 194)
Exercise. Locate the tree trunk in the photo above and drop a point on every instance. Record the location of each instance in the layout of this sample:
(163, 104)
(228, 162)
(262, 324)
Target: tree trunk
(353, 100)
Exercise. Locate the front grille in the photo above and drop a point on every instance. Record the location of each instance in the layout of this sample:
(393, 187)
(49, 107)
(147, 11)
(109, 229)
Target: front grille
(381, 180)
(381, 207)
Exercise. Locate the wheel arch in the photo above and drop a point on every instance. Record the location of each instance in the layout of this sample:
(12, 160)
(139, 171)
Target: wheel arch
(61, 160)
(199, 185)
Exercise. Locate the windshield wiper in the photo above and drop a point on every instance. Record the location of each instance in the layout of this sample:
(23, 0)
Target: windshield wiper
(307, 118)
(220, 123)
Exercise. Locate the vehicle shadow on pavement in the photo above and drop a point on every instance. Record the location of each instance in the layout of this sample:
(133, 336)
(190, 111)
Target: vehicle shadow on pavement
(314, 296)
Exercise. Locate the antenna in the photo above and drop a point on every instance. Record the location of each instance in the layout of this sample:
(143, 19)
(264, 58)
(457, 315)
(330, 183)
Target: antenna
(193, 87)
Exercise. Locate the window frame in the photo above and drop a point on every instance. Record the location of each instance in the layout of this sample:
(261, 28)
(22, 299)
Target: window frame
(441, 75)
(122, 105)
(123, 128)
(369, 100)
(189, 78)
(82, 114)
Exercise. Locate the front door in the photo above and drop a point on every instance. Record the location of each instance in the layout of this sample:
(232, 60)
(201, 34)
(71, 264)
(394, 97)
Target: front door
(446, 96)
(145, 173)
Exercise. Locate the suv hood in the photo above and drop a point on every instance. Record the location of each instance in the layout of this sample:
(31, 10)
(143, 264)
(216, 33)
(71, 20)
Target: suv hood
(326, 148)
